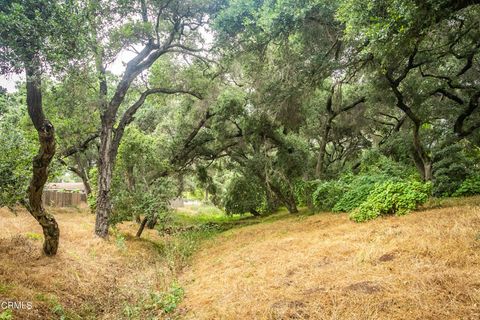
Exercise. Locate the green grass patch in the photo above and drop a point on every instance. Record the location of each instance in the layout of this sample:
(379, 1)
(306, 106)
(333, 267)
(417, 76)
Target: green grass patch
(5, 288)
(167, 302)
(56, 307)
(6, 315)
(34, 236)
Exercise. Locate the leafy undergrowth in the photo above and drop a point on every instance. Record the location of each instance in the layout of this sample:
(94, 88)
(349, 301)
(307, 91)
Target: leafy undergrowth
(419, 266)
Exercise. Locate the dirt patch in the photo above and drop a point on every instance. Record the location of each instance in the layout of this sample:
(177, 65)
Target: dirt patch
(386, 257)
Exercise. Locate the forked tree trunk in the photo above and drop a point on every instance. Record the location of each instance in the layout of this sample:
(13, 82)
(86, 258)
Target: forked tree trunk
(422, 160)
(46, 137)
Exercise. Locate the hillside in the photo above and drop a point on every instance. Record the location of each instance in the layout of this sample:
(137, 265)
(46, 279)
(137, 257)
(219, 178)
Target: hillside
(420, 266)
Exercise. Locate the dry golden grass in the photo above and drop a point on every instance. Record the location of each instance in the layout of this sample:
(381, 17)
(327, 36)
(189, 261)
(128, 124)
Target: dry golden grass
(90, 277)
(425, 265)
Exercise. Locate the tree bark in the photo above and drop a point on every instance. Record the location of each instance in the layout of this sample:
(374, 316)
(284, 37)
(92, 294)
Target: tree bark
(255, 213)
(105, 173)
(142, 227)
(152, 221)
(321, 152)
(46, 137)
(291, 206)
(426, 161)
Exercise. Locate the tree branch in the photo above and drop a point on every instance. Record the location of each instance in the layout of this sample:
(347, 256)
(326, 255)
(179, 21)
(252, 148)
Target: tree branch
(472, 106)
(81, 147)
(128, 116)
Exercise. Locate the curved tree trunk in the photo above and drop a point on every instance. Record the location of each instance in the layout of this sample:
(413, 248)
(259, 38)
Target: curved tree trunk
(291, 205)
(46, 137)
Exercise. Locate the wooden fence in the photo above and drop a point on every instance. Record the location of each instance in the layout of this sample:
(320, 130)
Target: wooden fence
(56, 198)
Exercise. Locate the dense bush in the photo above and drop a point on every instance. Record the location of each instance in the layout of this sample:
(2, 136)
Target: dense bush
(304, 192)
(392, 198)
(328, 193)
(151, 201)
(373, 162)
(469, 187)
(450, 168)
(16, 153)
(244, 195)
(359, 188)
(350, 190)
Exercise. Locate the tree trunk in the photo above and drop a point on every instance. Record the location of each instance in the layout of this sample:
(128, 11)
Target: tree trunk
(86, 183)
(255, 213)
(423, 160)
(428, 171)
(105, 172)
(83, 174)
(288, 200)
(291, 206)
(46, 137)
(321, 152)
(142, 227)
(152, 221)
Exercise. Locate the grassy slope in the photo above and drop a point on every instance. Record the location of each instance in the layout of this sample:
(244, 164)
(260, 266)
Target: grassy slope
(123, 278)
(424, 265)
(421, 266)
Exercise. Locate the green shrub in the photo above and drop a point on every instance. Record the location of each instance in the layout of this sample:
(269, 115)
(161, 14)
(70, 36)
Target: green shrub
(328, 193)
(392, 198)
(373, 162)
(244, 195)
(359, 188)
(469, 187)
(450, 168)
(151, 201)
(304, 192)
(6, 315)
(92, 197)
